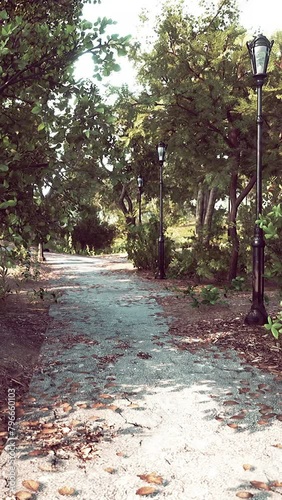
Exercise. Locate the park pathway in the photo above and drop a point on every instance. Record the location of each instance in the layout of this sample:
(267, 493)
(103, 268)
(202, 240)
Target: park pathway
(115, 412)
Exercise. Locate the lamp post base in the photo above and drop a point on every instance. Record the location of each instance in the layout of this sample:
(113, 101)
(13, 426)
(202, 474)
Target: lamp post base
(256, 316)
(161, 271)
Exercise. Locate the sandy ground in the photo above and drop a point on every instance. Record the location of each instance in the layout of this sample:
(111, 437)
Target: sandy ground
(115, 411)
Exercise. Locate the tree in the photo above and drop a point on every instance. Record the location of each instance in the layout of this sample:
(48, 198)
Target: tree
(47, 119)
(199, 92)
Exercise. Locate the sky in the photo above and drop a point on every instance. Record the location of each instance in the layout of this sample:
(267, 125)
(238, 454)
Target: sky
(256, 16)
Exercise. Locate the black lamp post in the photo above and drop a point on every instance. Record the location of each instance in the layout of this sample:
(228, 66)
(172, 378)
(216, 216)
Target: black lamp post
(259, 50)
(161, 154)
(140, 184)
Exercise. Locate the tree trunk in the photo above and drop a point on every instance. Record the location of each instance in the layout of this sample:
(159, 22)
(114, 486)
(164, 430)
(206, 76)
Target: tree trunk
(40, 255)
(200, 211)
(126, 206)
(209, 214)
(235, 202)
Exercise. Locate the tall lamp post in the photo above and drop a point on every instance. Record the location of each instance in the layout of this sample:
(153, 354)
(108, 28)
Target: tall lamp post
(259, 51)
(161, 271)
(140, 184)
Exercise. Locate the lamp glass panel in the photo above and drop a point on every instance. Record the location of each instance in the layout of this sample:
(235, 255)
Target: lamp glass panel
(161, 152)
(260, 57)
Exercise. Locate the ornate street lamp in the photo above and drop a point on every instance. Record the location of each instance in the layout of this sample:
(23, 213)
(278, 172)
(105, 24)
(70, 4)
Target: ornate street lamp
(161, 154)
(140, 184)
(259, 50)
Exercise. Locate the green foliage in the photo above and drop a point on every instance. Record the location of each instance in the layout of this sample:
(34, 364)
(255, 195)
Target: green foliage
(207, 295)
(271, 224)
(91, 233)
(201, 261)
(142, 245)
(45, 295)
(210, 295)
(53, 129)
(5, 288)
(237, 284)
(275, 325)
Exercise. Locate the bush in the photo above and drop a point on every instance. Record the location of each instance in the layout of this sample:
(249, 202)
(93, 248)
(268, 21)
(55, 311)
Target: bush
(92, 234)
(201, 261)
(142, 245)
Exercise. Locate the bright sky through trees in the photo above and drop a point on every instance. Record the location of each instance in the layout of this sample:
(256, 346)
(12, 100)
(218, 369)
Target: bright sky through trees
(256, 16)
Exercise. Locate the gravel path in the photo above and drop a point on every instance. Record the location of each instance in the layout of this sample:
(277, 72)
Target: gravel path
(115, 412)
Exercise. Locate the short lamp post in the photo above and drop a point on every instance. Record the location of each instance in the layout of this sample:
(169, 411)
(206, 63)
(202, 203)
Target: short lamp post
(140, 184)
(259, 51)
(161, 265)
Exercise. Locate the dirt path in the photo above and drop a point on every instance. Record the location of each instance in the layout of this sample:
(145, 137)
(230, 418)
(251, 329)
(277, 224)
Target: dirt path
(117, 410)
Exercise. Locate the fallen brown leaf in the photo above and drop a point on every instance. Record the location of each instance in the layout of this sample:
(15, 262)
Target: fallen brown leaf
(47, 468)
(30, 423)
(276, 484)
(151, 478)
(230, 402)
(144, 355)
(30, 484)
(277, 446)
(260, 485)
(248, 467)
(48, 425)
(23, 495)
(244, 494)
(110, 470)
(233, 426)
(66, 491)
(133, 405)
(239, 416)
(35, 453)
(145, 490)
(50, 430)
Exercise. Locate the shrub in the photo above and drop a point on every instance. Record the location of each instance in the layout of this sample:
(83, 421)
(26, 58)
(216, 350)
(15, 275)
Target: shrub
(92, 234)
(142, 245)
(201, 261)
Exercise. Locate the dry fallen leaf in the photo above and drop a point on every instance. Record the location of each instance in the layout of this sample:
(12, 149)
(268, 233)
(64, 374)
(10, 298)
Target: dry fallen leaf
(145, 490)
(244, 494)
(263, 422)
(50, 430)
(106, 396)
(248, 467)
(260, 485)
(47, 468)
(23, 495)
(66, 491)
(276, 484)
(239, 416)
(48, 425)
(30, 484)
(35, 453)
(233, 426)
(230, 402)
(277, 446)
(151, 478)
(110, 470)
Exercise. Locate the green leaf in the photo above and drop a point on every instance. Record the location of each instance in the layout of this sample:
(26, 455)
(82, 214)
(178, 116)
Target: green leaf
(4, 15)
(36, 109)
(4, 168)
(8, 203)
(41, 126)
(274, 332)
